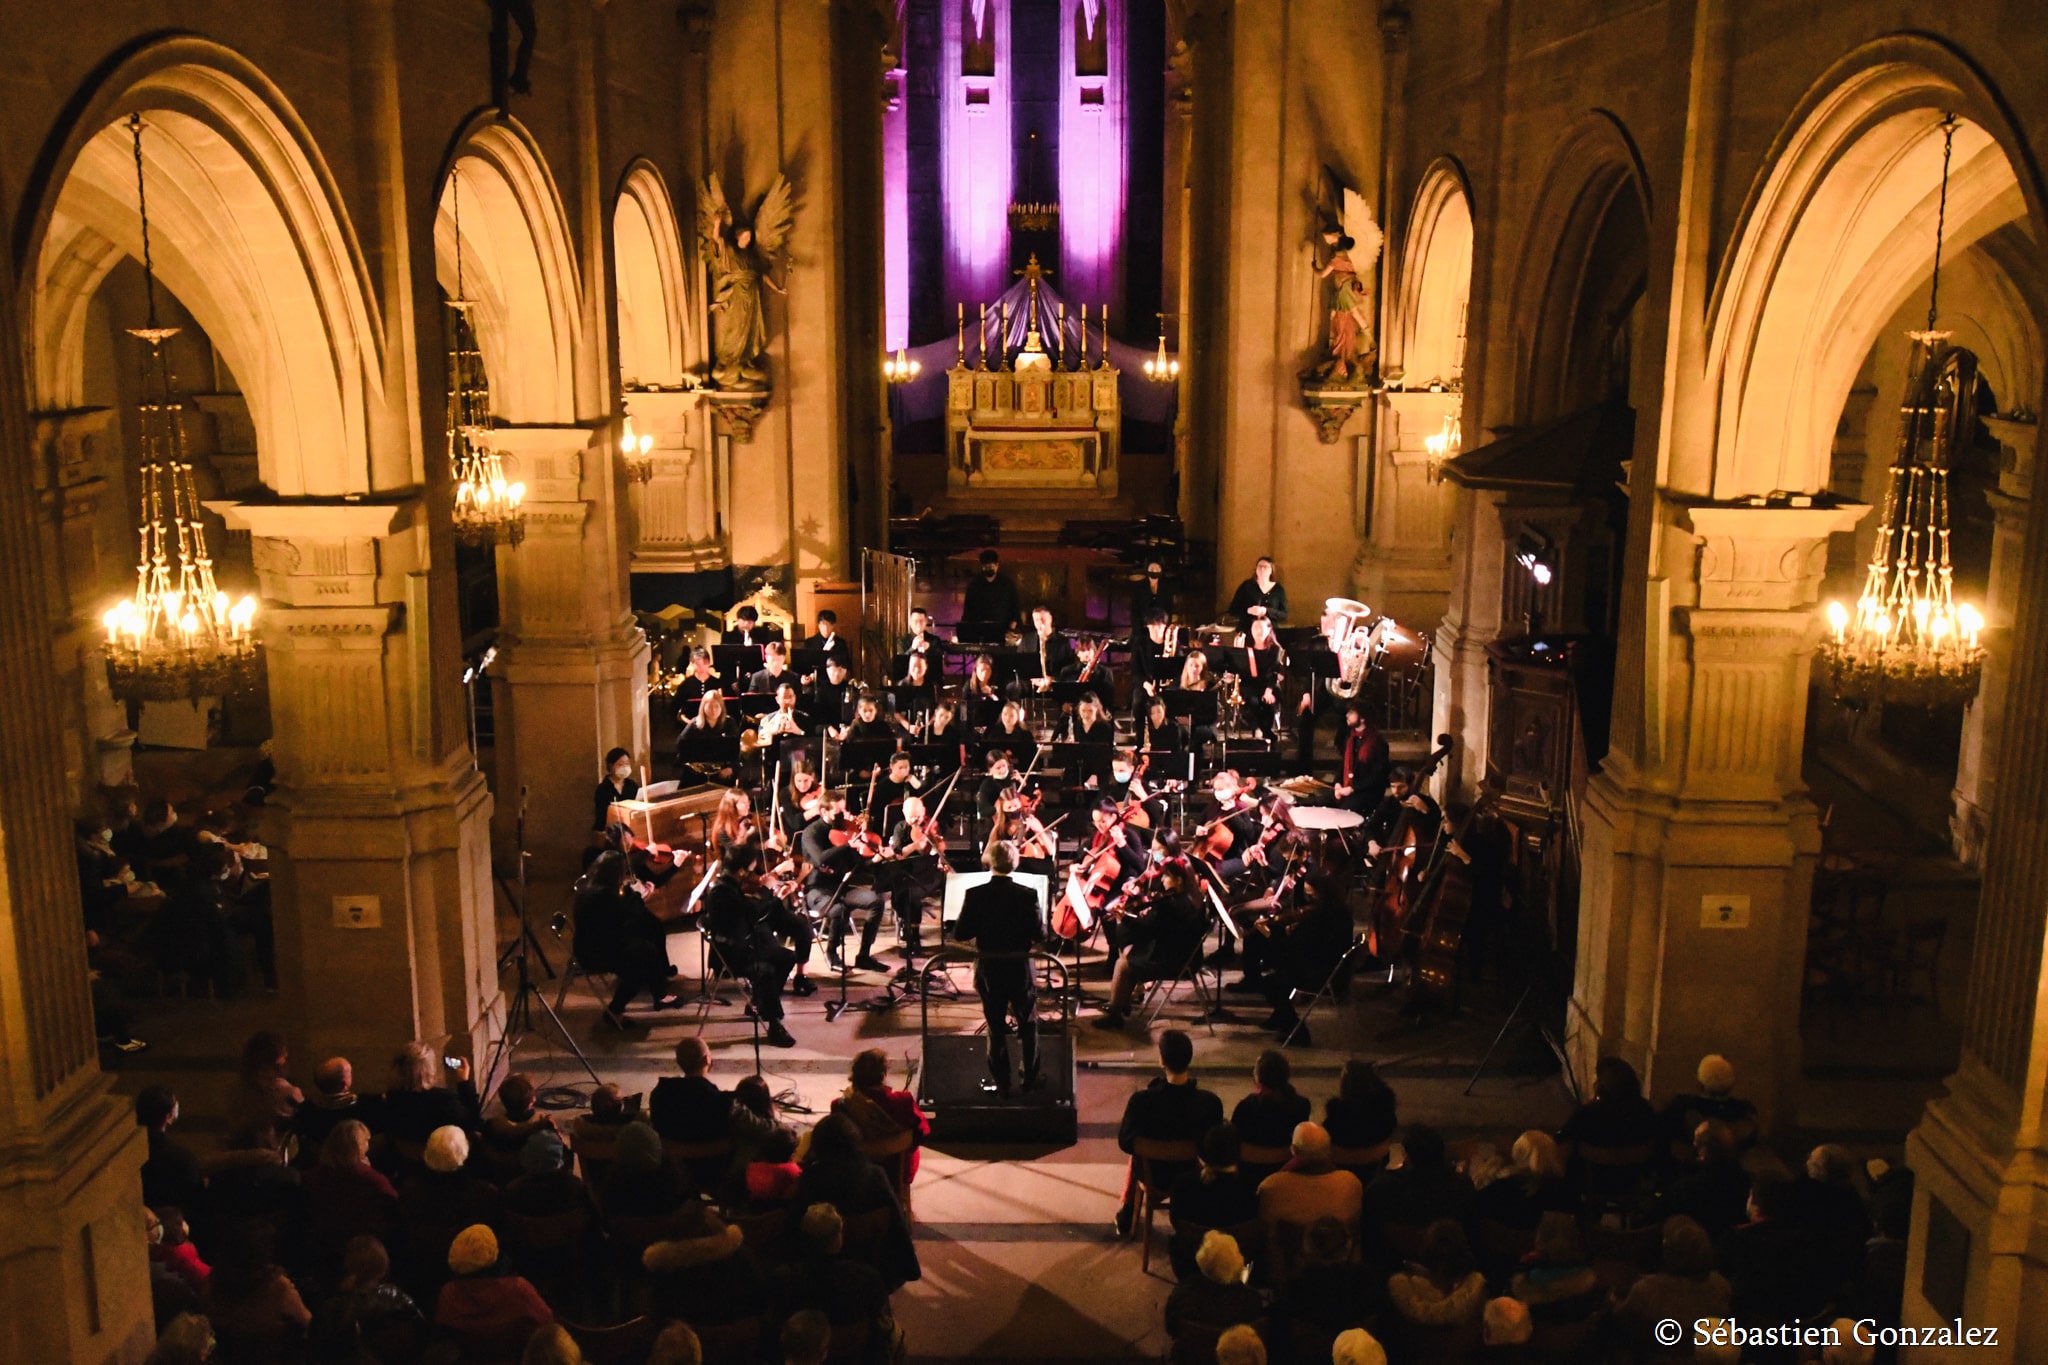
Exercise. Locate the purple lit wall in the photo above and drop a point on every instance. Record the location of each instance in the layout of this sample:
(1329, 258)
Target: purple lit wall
(1094, 155)
(975, 149)
(896, 208)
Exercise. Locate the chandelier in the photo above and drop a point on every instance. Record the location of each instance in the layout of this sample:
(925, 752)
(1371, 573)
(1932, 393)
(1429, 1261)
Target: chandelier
(1907, 640)
(637, 453)
(487, 507)
(1445, 445)
(178, 637)
(1162, 368)
(901, 367)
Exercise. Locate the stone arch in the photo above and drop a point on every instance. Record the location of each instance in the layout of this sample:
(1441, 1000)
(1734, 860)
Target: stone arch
(1837, 231)
(519, 266)
(1595, 184)
(1436, 275)
(247, 230)
(652, 278)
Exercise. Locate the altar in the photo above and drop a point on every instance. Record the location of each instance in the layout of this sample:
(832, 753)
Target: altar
(1039, 412)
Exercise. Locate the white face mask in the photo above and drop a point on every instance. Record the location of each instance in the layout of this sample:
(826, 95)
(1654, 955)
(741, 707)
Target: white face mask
(621, 771)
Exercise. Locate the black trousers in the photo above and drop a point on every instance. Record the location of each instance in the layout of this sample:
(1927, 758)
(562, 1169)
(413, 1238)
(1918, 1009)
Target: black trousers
(766, 968)
(839, 922)
(1008, 991)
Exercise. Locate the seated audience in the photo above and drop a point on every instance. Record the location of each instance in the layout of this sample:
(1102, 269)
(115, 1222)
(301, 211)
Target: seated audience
(265, 1098)
(1361, 1115)
(847, 1290)
(1269, 1115)
(1685, 1289)
(546, 1187)
(1309, 1187)
(1443, 1288)
(170, 1246)
(367, 1315)
(837, 1172)
(880, 1112)
(346, 1197)
(753, 1119)
(1173, 1108)
(771, 1179)
(171, 1174)
(1559, 1284)
(440, 1201)
(1533, 1185)
(1215, 1196)
(1826, 1203)
(806, 1338)
(677, 1345)
(253, 1306)
(702, 1273)
(186, 1340)
(690, 1108)
(1240, 1346)
(504, 1134)
(1330, 1290)
(332, 1100)
(640, 1183)
(1713, 1190)
(1357, 1347)
(1423, 1188)
(418, 1103)
(1617, 1117)
(1715, 1103)
(1776, 1269)
(1505, 1328)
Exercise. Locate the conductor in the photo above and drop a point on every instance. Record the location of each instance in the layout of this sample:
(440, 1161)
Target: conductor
(1002, 919)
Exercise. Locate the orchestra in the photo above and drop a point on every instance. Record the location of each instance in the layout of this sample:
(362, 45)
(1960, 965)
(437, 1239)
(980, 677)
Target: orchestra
(839, 803)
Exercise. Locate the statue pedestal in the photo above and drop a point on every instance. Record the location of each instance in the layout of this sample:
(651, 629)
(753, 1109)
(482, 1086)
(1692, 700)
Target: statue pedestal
(737, 411)
(1330, 405)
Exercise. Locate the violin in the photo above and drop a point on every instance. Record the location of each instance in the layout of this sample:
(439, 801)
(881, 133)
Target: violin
(857, 833)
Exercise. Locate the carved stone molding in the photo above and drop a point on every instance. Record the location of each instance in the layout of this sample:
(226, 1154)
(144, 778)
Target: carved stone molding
(738, 411)
(1765, 558)
(1331, 407)
(317, 552)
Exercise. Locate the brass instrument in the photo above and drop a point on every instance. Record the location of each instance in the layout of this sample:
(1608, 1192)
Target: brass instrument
(1346, 625)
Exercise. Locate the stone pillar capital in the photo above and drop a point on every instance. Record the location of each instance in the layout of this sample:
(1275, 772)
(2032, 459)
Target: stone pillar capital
(1764, 558)
(318, 552)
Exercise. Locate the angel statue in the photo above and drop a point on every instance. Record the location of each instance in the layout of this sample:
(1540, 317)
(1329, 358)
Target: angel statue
(1346, 231)
(740, 259)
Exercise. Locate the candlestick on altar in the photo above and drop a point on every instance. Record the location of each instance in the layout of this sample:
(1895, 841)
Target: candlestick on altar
(1003, 336)
(1059, 350)
(1083, 363)
(984, 336)
(960, 337)
(1105, 337)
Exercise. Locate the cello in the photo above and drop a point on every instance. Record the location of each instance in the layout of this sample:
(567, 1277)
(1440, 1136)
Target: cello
(1395, 879)
(1446, 904)
(1091, 887)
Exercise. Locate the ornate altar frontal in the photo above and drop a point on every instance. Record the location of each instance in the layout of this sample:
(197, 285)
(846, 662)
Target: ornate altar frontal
(1032, 428)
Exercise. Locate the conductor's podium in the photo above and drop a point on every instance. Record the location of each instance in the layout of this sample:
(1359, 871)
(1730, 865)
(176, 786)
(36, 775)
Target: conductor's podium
(953, 1086)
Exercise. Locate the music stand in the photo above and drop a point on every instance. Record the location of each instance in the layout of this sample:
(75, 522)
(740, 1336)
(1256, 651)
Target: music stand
(754, 705)
(1252, 758)
(737, 661)
(942, 759)
(1196, 708)
(1070, 693)
(862, 756)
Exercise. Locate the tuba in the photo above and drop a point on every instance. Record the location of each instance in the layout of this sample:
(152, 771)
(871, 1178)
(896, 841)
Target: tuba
(1346, 625)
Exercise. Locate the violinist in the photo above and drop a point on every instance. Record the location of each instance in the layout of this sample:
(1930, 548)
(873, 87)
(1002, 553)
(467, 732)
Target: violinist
(1305, 943)
(1365, 765)
(1054, 659)
(617, 933)
(774, 669)
(616, 785)
(918, 851)
(1160, 733)
(785, 719)
(1424, 815)
(1000, 776)
(733, 823)
(1088, 724)
(1015, 823)
(922, 639)
(834, 695)
(710, 741)
(798, 806)
(841, 880)
(1012, 735)
(1264, 678)
(898, 783)
(913, 695)
(748, 630)
(1161, 935)
(701, 678)
(746, 925)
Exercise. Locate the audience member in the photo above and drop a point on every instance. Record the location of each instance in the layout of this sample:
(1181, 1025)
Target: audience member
(806, 1338)
(170, 1245)
(440, 1201)
(690, 1108)
(1357, 1347)
(1330, 1291)
(1268, 1116)
(173, 1291)
(367, 1315)
(1775, 1269)
(551, 1345)
(332, 1100)
(483, 1307)
(1240, 1346)
(640, 1183)
(1714, 1190)
(1533, 1185)
(701, 1273)
(503, 1136)
(1173, 1108)
(837, 1172)
(1715, 1103)
(1309, 1187)
(1203, 1306)
(1362, 1114)
(253, 1306)
(186, 1340)
(771, 1179)
(847, 1290)
(418, 1103)
(1443, 1288)
(171, 1174)
(1215, 1196)
(265, 1098)
(880, 1112)
(753, 1119)
(1686, 1289)
(1559, 1285)
(677, 1345)
(1826, 1204)
(1505, 1328)
(1423, 1188)
(346, 1197)
(1617, 1116)
(545, 1186)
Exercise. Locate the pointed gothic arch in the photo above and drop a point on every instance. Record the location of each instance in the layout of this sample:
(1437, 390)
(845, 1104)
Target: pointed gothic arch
(653, 279)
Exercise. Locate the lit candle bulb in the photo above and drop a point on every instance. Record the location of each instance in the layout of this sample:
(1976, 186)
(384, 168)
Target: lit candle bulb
(1972, 621)
(1838, 620)
(112, 621)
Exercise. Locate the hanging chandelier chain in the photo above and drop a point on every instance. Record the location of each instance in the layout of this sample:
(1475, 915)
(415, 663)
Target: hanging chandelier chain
(1948, 146)
(142, 209)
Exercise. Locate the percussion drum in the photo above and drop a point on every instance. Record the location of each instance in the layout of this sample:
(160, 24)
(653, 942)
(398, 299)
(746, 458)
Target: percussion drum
(1325, 818)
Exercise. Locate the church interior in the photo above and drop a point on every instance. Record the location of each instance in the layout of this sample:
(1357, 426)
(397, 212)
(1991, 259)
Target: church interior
(926, 681)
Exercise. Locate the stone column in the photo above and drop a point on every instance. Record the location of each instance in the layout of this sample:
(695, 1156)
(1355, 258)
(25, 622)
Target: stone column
(74, 1282)
(380, 852)
(1404, 569)
(1469, 625)
(1984, 722)
(1697, 877)
(1979, 1246)
(571, 680)
(676, 522)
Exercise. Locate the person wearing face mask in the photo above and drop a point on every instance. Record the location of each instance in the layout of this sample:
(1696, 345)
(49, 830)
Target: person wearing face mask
(1259, 597)
(617, 785)
(989, 609)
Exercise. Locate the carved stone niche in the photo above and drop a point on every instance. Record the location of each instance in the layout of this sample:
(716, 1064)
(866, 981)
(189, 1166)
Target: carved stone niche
(1765, 558)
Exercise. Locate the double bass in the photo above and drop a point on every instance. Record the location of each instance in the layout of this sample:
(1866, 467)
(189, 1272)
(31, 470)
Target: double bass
(1445, 904)
(1395, 878)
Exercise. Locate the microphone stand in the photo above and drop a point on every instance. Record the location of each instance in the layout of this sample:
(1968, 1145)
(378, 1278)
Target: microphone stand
(519, 1018)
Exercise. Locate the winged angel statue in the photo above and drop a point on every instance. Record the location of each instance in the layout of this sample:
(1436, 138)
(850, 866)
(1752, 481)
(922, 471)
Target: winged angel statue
(1347, 233)
(740, 259)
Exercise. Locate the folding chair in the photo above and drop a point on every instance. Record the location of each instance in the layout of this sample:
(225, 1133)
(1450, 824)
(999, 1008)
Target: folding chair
(1161, 989)
(1326, 991)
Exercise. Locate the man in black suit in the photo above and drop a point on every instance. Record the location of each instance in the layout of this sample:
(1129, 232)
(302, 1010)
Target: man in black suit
(1173, 1108)
(988, 609)
(1002, 918)
(748, 630)
(826, 645)
(774, 671)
